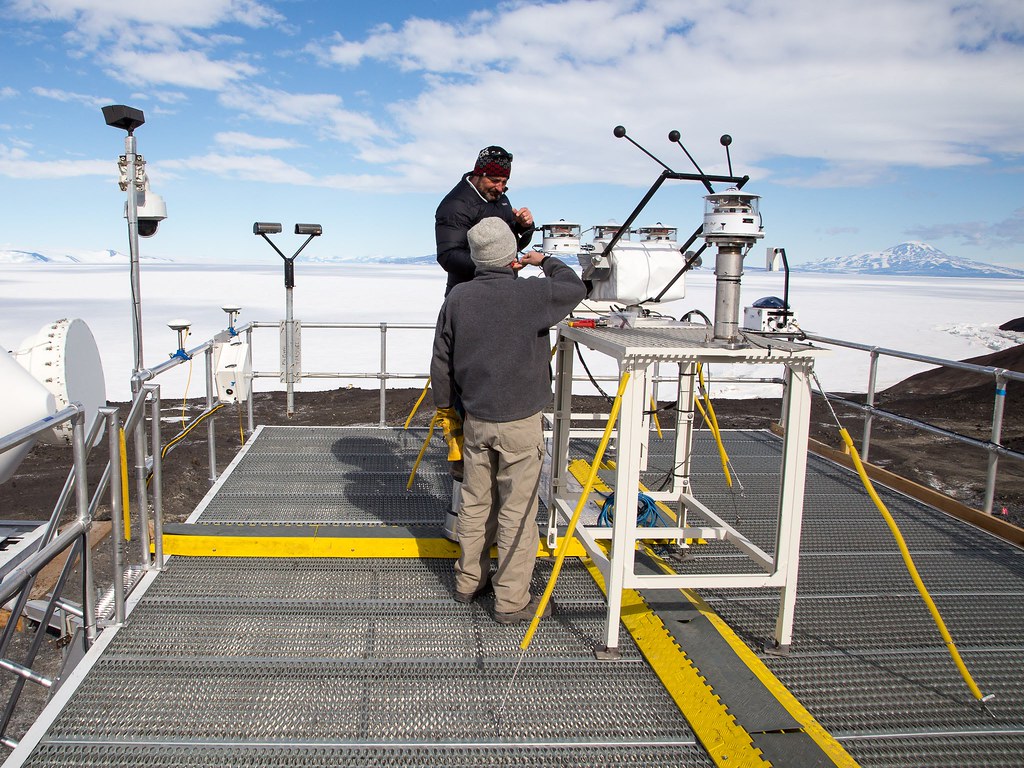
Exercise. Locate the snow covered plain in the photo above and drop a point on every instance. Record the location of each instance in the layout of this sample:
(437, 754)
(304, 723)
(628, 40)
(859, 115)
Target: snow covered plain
(942, 317)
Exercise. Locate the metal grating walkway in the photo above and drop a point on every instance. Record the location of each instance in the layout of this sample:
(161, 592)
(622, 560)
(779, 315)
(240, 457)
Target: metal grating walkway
(369, 662)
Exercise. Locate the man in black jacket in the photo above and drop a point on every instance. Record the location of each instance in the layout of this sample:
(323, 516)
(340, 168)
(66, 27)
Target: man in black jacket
(478, 195)
(492, 352)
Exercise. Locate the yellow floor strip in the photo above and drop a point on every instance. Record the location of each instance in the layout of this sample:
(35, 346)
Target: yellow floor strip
(326, 546)
(726, 742)
(825, 741)
(675, 671)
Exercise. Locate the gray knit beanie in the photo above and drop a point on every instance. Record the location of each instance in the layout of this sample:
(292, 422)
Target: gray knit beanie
(491, 243)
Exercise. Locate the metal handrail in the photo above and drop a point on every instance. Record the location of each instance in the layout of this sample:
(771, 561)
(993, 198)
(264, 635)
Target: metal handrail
(74, 538)
(22, 577)
(993, 446)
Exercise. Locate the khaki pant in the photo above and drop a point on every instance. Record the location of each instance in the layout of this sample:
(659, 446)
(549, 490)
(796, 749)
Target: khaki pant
(499, 506)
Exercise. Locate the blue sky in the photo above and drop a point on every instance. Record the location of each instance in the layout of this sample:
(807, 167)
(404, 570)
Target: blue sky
(862, 123)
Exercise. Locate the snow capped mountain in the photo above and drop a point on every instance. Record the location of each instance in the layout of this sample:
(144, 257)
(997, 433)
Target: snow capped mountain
(373, 259)
(74, 257)
(911, 258)
(22, 257)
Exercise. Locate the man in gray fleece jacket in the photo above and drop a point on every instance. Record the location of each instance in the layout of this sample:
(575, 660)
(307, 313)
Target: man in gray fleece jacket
(492, 351)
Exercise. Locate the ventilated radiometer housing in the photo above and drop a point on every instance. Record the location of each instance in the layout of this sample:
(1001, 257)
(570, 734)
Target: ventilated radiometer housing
(657, 232)
(561, 238)
(732, 216)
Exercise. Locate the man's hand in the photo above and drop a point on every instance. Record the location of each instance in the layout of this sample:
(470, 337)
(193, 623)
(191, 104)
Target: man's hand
(533, 258)
(523, 217)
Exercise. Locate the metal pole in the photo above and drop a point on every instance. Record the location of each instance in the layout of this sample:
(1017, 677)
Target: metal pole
(997, 436)
(383, 372)
(211, 437)
(289, 352)
(85, 519)
(141, 492)
(248, 357)
(133, 248)
(116, 508)
(865, 443)
(728, 271)
(158, 505)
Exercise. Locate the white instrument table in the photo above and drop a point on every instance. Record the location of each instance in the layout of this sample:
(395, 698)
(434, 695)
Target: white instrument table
(637, 350)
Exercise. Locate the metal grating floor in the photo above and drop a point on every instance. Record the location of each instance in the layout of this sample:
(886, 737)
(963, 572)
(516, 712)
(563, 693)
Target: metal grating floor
(347, 662)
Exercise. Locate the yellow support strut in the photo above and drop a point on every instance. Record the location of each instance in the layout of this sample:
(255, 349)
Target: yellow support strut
(563, 546)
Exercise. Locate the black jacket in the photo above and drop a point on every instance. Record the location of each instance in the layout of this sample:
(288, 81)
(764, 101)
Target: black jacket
(491, 344)
(461, 209)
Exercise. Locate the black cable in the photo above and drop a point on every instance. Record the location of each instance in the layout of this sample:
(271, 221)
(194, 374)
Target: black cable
(590, 376)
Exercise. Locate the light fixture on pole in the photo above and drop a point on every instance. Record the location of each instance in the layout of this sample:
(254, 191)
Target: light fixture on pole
(291, 369)
(128, 119)
(143, 209)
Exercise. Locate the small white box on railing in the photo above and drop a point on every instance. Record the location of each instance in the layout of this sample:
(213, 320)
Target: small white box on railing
(232, 371)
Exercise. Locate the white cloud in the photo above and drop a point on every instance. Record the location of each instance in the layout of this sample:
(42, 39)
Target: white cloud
(105, 15)
(15, 163)
(156, 43)
(67, 96)
(236, 139)
(186, 69)
(263, 168)
(861, 87)
(325, 111)
(7, 92)
(1000, 234)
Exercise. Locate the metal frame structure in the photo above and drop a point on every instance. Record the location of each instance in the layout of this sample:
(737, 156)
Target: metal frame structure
(636, 351)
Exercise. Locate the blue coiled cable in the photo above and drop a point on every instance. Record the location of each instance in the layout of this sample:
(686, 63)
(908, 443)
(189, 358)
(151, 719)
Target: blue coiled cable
(646, 511)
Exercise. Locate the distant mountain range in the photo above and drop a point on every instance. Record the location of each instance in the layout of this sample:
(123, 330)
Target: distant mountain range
(911, 259)
(78, 257)
(907, 259)
(319, 259)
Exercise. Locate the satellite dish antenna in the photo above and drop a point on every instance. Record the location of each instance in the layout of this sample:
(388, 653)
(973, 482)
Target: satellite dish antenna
(26, 401)
(63, 357)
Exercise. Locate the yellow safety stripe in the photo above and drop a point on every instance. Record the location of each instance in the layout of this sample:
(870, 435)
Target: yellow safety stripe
(726, 742)
(323, 546)
(825, 741)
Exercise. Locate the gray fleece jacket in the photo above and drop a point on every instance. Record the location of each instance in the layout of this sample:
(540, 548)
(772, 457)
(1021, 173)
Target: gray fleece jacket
(491, 344)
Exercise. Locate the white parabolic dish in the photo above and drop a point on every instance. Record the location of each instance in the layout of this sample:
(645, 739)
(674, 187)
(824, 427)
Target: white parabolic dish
(64, 358)
(25, 401)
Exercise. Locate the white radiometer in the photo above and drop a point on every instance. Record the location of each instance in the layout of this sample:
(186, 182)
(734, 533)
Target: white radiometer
(732, 216)
(561, 238)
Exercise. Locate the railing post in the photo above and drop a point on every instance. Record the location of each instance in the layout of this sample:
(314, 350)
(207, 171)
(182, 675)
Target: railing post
(248, 357)
(158, 500)
(85, 518)
(997, 437)
(865, 443)
(116, 508)
(383, 372)
(211, 437)
(142, 494)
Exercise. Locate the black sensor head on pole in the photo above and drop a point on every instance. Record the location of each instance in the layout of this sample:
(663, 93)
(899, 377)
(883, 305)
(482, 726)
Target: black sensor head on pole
(123, 117)
(266, 228)
(309, 229)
